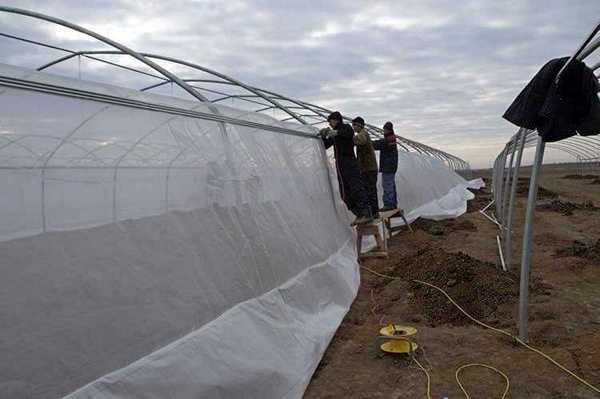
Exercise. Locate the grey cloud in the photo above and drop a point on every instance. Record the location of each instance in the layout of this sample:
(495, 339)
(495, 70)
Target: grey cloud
(443, 71)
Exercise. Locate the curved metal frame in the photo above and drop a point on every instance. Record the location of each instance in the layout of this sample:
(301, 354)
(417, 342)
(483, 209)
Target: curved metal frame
(268, 100)
(270, 97)
(103, 39)
(185, 63)
(579, 147)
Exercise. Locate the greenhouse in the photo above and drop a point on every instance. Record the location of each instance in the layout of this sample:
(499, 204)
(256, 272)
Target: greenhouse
(182, 239)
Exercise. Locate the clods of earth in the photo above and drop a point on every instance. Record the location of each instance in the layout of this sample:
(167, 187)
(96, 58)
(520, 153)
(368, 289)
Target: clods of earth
(581, 177)
(581, 249)
(565, 207)
(523, 190)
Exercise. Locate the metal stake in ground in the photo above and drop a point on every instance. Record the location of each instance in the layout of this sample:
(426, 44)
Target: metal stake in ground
(527, 234)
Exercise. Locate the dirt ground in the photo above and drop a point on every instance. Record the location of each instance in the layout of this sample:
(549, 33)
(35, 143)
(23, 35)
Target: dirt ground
(461, 257)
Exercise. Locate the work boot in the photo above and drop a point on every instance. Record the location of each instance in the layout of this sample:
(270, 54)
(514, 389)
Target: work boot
(387, 208)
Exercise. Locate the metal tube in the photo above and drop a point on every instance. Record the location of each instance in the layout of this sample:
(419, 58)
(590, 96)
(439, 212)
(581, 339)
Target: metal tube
(527, 235)
(494, 178)
(501, 164)
(580, 148)
(589, 49)
(22, 39)
(228, 80)
(578, 52)
(108, 41)
(587, 142)
(513, 149)
(66, 91)
(494, 183)
(511, 201)
(169, 77)
(255, 92)
(500, 170)
(566, 150)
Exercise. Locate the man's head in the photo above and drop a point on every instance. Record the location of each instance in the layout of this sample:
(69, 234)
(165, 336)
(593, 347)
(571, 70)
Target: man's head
(388, 128)
(334, 119)
(358, 124)
(388, 134)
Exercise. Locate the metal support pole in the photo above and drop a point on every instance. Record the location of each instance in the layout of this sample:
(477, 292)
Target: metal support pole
(503, 175)
(498, 183)
(512, 149)
(511, 202)
(495, 184)
(527, 235)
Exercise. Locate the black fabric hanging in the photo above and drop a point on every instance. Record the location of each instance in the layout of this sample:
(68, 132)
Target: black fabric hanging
(590, 125)
(557, 111)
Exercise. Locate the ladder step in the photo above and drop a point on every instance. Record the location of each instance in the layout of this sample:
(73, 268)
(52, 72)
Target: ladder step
(374, 254)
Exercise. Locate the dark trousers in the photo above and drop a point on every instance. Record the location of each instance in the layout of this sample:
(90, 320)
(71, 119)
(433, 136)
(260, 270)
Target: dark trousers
(352, 187)
(370, 183)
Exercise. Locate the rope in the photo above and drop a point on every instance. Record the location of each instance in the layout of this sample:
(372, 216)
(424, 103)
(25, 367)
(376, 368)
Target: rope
(497, 330)
(427, 375)
(487, 366)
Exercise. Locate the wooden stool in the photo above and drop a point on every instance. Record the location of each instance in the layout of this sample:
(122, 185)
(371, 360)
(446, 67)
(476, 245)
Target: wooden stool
(388, 215)
(371, 230)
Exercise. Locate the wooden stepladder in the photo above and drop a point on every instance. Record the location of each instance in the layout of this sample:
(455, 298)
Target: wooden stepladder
(394, 213)
(371, 229)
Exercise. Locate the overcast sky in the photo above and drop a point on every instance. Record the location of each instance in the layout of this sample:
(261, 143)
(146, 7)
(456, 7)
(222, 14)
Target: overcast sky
(443, 71)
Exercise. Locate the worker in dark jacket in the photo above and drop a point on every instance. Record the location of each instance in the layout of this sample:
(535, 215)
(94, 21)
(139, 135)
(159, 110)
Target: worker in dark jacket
(388, 166)
(340, 136)
(367, 161)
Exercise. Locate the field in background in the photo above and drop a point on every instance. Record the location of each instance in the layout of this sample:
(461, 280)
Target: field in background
(461, 256)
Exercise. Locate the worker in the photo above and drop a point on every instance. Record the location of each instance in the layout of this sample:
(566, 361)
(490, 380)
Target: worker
(367, 163)
(388, 166)
(340, 135)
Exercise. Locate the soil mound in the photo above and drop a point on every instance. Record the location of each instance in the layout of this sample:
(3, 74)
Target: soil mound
(581, 177)
(482, 198)
(565, 207)
(479, 287)
(523, 190)
(443, 227)
(581, 249)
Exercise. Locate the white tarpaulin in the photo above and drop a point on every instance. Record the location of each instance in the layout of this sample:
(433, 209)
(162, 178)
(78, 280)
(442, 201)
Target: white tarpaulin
(151, 255)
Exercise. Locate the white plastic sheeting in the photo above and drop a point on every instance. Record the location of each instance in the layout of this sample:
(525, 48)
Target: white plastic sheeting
(157, 256)
(427, 188)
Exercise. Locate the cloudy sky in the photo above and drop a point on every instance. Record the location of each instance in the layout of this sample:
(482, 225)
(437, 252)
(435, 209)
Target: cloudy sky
(442, 70)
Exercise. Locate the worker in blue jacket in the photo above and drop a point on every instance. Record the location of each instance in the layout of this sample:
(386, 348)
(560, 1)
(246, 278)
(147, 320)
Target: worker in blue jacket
(388, 166)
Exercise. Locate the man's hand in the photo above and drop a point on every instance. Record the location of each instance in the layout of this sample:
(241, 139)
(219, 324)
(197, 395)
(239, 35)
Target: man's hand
(327, 133)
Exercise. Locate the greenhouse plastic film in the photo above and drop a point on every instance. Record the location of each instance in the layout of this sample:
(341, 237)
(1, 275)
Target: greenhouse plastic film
(151, 255)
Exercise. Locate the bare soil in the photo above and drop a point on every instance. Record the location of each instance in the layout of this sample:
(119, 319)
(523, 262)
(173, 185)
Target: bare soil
(580, 177)
(587, 250)
(523, 190)
(461, 257)
(565, 207)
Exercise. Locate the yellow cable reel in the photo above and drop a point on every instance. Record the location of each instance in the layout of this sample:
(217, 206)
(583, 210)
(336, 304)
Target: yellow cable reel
(397, 339)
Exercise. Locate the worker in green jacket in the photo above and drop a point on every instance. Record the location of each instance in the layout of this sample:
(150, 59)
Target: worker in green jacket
(367, 163)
